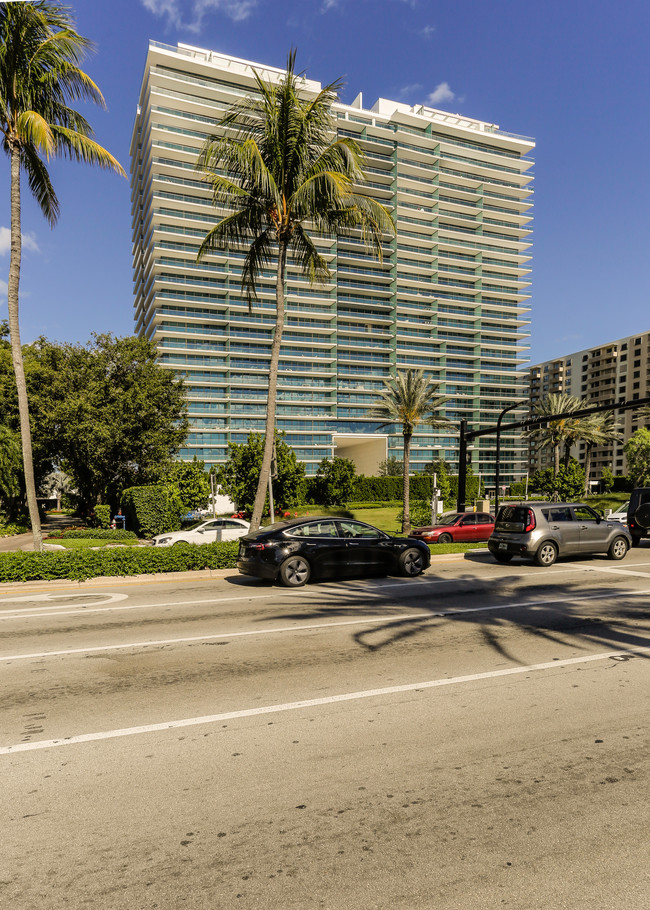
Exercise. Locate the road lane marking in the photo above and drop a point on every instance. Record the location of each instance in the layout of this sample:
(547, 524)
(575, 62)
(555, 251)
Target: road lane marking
(401, 617)
(424, 580)
(82, 611)
(314, 702)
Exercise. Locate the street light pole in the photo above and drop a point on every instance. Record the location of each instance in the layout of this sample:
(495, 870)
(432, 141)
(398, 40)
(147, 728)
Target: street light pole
(511, 407)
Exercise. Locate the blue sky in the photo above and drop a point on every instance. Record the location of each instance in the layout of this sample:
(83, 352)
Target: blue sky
(574, 75)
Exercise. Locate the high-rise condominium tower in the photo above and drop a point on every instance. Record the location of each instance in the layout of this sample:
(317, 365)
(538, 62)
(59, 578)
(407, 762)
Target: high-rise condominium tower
(449, 297)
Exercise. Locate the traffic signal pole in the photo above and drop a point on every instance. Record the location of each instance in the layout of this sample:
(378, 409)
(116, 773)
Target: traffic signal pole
(528, 423)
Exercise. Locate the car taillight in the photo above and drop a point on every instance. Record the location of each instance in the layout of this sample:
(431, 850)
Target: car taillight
(257, 546)
(530, 520)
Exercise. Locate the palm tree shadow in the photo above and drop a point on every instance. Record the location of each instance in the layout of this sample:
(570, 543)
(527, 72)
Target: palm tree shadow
(568, 615)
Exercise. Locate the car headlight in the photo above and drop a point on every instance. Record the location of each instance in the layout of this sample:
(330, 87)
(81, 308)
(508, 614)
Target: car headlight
(162, 540)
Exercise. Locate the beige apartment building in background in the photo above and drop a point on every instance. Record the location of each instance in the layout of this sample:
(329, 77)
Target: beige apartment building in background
(610, 372)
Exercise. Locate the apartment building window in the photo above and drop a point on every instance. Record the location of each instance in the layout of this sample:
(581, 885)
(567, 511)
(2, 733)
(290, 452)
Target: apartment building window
(637, 363)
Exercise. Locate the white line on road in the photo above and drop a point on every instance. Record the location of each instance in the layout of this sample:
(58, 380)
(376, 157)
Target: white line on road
(56, 610)
(365, 620)
(313, 702)
(213, 601)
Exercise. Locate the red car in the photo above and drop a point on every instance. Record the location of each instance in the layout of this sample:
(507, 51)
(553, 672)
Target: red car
(457, 527)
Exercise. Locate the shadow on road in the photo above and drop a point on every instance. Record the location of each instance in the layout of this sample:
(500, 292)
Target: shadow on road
(569, 614)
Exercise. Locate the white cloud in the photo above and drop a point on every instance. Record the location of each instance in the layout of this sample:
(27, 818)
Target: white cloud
(440, 94)
(427, 31)
(327, 5)
(189, 14)
(29, 241)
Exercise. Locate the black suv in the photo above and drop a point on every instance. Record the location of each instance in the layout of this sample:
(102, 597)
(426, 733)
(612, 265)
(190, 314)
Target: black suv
(638, 514)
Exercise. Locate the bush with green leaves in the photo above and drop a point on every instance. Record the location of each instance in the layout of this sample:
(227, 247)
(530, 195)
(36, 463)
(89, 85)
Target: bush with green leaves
(335, 481)
(637, 452)
(238, 477)
(120, 561)
(567, 485)
(100, 517)
(152, 509)
(192, 482)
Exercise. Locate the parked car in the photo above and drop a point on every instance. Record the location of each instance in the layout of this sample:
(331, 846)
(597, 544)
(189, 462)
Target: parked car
(457, 527)
(542, 531)
(205, 532)
(620, 514)
(638, 514)
(302, 548)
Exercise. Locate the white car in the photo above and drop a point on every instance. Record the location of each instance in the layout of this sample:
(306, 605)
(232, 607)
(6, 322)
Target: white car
(620, 514)
(205, 532)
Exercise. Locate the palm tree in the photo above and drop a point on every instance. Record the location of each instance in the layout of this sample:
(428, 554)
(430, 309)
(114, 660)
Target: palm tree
(558, 429)
(598, 429)
(40, 53)
(275, 172)
(409, 399)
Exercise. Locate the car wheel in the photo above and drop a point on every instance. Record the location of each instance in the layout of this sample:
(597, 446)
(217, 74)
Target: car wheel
(294, 572)
(618, 548)
(179, 543)
(411, 563)
(546, 554)
(445, 538)
(502, 557)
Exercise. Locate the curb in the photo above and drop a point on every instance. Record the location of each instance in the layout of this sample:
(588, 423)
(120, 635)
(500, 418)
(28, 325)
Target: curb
(161, 577)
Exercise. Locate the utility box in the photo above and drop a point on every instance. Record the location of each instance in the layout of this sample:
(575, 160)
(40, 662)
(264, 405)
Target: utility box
(482, 505)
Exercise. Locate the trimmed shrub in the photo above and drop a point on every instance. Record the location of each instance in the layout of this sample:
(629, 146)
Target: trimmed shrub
(122, 561)
(153, 509)
(101, 517)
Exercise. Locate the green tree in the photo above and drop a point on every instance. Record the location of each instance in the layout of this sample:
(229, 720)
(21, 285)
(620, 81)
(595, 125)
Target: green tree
(392, 467)
(192, 482)
(106, 413)
(409, 399)
(606, 480)
(10, 471)
(567, 484)
(238, 478)
(598, 430)
(40, 53)
(336, 481)
(275, 171)
(637, 452)
(558, 429)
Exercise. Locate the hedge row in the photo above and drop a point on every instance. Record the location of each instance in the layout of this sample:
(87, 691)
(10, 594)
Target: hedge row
(122, 561)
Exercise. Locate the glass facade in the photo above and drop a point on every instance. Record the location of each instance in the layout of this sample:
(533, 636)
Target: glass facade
(450, 296)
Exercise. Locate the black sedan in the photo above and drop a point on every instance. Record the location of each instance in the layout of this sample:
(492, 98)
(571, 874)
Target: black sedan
(295, 551)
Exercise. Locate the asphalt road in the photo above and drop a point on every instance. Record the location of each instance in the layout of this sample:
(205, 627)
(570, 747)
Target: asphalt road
(474, 738)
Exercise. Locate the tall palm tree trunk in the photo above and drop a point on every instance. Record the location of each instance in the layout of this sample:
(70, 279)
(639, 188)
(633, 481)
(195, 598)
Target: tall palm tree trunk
(269, 439)
(406, 519)
(16, 349)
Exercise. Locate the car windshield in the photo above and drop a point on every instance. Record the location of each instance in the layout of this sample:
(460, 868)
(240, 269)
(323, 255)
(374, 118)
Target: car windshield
(193, 525)
(448, 519)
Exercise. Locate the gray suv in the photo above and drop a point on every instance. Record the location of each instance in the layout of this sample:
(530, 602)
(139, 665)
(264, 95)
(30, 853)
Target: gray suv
(542, 531)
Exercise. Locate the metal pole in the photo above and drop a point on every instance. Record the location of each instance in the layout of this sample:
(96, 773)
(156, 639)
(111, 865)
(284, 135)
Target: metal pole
(434, 500)
(503, 413)
(462, 467)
